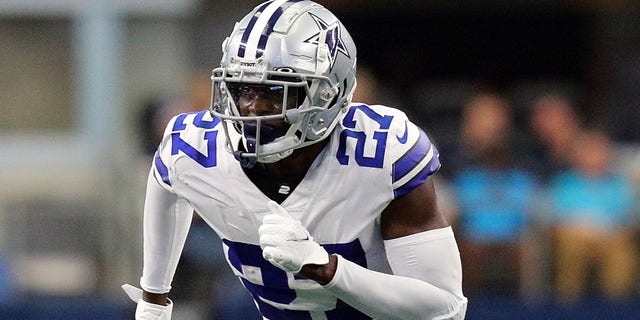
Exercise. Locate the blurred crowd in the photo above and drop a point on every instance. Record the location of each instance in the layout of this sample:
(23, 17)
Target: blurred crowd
(554, 215)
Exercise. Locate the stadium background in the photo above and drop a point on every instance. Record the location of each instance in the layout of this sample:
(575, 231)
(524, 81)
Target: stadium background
(78, 79)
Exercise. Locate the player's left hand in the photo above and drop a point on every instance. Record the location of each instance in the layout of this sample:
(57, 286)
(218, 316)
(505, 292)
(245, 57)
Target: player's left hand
(286, 243)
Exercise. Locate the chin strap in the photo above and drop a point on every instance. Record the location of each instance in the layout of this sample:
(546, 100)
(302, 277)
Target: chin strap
(245, 162)
(252, 136)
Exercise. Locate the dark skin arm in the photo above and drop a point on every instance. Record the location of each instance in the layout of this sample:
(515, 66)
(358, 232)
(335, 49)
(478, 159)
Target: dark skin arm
(157, 298)
(415, 212)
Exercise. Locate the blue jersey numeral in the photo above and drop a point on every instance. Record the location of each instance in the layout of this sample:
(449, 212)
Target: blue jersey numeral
(275, 284)
(178, 144)
(377, 161)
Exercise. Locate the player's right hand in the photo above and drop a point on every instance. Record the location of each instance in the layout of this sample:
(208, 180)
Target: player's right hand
(286, 243)
(146, 310)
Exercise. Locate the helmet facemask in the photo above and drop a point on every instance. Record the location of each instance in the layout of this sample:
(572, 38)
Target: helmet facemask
(273, 111)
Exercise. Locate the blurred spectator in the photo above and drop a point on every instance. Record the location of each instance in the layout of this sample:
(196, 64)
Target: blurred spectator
(592, 209)
(370, 90)
(634, 171)
(199, 91)
(367, 86)
(555, 124)
(154, 117)
(157, 111)
(494, 198)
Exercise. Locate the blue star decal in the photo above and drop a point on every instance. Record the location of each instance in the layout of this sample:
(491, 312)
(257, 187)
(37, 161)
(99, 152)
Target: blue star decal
(334, 38)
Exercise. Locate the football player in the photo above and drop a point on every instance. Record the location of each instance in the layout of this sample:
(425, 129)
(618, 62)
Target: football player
(324, 206)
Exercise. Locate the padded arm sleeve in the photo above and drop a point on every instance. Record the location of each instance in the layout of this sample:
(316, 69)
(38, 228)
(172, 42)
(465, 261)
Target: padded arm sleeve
(426, 284)
(167, 218)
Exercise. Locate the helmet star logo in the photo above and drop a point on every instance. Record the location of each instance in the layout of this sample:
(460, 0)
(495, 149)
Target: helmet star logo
(334, 38)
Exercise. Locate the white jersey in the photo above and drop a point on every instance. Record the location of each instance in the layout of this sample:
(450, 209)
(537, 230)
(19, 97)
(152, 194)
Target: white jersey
(374, 155)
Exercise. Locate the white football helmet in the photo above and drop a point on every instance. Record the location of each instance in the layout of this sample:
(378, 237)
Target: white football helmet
(299, 57)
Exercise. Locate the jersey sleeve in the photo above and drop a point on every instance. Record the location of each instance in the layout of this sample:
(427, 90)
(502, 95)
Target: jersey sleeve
(414, 156)
(166, 222)
(161, 164)
(167, 217)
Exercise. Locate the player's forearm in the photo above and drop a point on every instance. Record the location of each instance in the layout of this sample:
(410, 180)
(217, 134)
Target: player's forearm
(385, 296)
(322, 274)
(426, 281)
(166, 223)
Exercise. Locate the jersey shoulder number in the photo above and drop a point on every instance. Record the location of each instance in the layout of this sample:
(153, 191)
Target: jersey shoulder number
(373, 135)
(363, 135)
(193, 134)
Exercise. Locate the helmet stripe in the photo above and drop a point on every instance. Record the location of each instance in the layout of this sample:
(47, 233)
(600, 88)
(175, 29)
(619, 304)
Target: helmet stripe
(262, 43)
(258, 32)
(264, 36)
(247, 31)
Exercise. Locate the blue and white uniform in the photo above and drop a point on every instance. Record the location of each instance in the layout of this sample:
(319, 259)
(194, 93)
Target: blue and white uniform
(373, 156)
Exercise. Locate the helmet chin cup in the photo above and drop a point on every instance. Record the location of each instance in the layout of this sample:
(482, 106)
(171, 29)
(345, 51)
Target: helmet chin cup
(250, 136)
(269, 152)
(251, 144)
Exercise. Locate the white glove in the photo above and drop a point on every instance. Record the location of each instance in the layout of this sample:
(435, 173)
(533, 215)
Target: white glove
(146, 310)
(286, 243)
